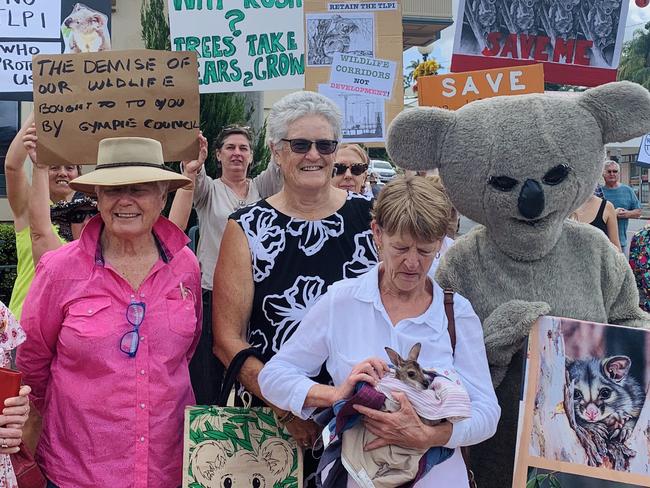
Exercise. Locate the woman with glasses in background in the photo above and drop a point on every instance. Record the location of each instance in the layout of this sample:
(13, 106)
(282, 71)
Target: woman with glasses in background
(214, 200)
(279, 256)
(112, 321)
(350, 168)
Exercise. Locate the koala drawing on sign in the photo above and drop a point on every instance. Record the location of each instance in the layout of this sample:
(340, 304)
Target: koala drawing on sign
(214, 465)
(519, 165)
(88, 30)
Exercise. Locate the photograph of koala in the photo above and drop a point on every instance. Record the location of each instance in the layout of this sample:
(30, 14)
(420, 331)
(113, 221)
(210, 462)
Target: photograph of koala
(85, 30)
(586, 407)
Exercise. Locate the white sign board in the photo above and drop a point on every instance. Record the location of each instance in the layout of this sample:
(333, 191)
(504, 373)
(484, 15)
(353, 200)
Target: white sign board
(242, 46)
(30, 19)
(356, 74)
(644, 151)
(16, 63)
(361, 6)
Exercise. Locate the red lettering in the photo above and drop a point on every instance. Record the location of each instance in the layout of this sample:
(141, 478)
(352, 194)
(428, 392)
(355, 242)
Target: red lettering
(510, 47)
(540, 48)
(526, 43)
(563, 48)
(582, 47)
(493, 39)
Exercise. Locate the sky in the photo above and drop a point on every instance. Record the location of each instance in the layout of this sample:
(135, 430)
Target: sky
(442, 48)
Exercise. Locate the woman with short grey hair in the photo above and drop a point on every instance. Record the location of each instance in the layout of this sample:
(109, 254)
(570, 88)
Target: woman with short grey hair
(283, 252)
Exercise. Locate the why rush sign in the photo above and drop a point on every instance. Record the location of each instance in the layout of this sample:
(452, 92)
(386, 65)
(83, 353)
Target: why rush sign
(453, 90)
(578, 42)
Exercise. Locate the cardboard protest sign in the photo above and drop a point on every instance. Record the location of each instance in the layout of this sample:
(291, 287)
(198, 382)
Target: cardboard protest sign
(643, 158)
(585, 415)
(32, 27)
(356, 74)
(83, 98)
(453, 90)
(579, 42)
(241, 46)
(358, 32)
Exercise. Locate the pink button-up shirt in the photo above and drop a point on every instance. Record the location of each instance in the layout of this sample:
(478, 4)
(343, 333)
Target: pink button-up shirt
(109, 419)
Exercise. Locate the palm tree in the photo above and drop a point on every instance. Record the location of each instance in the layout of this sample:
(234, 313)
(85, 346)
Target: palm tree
(408, 78)
(635, 58)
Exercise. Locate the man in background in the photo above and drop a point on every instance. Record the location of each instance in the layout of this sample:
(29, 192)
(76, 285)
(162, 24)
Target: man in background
(622, 197)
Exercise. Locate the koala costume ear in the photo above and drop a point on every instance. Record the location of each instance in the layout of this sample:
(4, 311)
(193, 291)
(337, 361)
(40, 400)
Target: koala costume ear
(416, 136)
(622, 110)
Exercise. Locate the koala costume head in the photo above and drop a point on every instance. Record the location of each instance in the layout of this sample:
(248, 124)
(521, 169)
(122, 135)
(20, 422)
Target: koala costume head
(520, 165)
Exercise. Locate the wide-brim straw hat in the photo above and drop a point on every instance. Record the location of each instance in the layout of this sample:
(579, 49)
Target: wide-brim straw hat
(129, 161)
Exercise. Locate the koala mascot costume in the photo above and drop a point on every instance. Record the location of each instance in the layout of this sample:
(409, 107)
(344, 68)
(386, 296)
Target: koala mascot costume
(520, 166)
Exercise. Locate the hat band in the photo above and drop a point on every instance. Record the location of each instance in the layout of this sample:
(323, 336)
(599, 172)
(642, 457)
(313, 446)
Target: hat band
(147, 165)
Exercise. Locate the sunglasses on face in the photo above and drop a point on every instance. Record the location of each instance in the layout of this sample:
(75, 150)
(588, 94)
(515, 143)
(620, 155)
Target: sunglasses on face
(356, 169)
(78, 216)
(612, 171)
(302, 146)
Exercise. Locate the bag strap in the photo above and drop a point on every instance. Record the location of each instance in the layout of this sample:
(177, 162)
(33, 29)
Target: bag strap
(233, 370)
(451, 328)
(451, 321)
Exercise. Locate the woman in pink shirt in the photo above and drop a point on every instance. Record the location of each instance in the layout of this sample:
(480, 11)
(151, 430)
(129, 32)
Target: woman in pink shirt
(112, 321)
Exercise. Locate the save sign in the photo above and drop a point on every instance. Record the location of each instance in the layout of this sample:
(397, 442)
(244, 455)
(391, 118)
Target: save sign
(454, 90)
(249, 45)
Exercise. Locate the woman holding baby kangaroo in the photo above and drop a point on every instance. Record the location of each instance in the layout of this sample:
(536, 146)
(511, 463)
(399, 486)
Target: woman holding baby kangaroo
(394, 312)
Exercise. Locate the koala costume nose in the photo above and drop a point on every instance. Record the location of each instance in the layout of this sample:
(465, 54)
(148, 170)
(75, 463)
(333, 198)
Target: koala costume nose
(531, 199)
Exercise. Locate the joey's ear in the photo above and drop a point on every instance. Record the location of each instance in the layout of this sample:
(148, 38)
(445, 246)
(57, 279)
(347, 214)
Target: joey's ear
(414, 352)
(616, 367)
(416, 136)
(207, 459)
(394, 357)
(622, 110)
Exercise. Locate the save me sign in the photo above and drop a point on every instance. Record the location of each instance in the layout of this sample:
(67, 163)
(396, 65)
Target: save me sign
(454, 90)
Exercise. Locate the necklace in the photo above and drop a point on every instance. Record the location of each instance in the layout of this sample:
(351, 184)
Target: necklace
(235, 200)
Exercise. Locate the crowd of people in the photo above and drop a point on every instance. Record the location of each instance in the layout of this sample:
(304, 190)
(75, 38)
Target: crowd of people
(118, 325)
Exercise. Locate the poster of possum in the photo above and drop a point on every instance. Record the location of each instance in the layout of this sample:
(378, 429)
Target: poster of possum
(585, 411)
(578, 41)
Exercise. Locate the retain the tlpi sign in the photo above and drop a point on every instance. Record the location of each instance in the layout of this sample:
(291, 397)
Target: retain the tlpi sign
(367, 76)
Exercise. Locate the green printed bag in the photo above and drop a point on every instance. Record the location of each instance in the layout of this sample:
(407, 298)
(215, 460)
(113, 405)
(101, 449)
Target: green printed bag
(230, 447)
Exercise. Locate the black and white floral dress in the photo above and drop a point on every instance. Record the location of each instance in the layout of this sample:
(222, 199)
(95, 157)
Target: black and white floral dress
(295, 261)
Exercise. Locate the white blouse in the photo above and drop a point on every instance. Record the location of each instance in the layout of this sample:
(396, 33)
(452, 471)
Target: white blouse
(350, 324)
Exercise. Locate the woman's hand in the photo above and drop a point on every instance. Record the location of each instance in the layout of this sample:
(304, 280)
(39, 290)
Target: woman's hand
(370, 370)
(30, 141)
(403, 428)
(191, 168)
(305, 432)
(13, 418)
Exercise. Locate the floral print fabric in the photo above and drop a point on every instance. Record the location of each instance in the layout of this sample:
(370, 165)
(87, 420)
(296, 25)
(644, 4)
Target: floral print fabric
(11, 335)
(640, 264)
(294, 262)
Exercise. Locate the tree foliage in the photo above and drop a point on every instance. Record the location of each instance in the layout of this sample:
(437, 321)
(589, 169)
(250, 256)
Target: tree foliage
(635, 58)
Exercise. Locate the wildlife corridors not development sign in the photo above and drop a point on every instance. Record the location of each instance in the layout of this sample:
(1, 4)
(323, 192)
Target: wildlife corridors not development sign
(80, 99)
(453, 90)
(578, 42)
(242, 45)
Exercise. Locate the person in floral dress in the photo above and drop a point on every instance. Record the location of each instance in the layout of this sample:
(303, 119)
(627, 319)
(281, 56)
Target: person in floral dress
(16, 409)
(639, 262)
